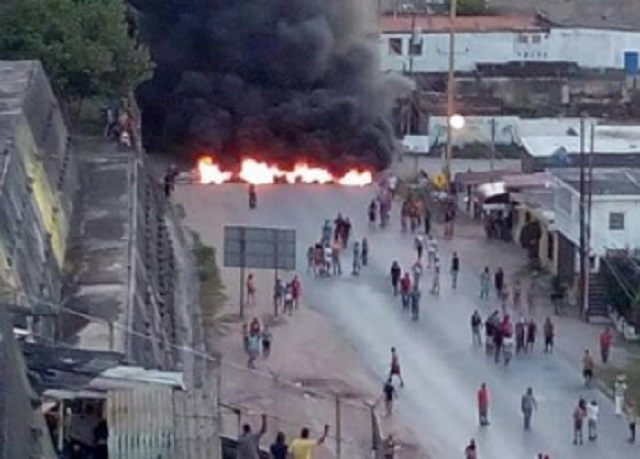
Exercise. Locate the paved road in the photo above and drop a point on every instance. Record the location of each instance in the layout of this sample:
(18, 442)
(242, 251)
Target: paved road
(441, 368)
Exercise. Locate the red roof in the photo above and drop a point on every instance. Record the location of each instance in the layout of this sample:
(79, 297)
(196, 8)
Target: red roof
(438, 24)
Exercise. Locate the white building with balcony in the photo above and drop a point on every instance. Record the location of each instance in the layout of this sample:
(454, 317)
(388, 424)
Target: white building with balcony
(615, 215)
(421, 44)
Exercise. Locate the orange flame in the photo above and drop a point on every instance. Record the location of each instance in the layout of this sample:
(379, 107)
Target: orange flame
(210, 172)
(356, 178)
(261, 173)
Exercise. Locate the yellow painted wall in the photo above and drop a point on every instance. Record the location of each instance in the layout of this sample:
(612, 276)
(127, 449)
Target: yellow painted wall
(45, 199)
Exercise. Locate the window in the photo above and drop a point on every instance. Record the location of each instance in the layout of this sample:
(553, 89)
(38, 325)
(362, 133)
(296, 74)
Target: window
(536, 39)
(395, 46)
(616, 220)
(523, 39)
(415, 48)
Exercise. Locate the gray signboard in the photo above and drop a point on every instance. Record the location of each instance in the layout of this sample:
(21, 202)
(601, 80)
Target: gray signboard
(259, 248)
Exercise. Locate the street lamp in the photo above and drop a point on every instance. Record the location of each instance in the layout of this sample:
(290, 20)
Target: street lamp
(456, 122)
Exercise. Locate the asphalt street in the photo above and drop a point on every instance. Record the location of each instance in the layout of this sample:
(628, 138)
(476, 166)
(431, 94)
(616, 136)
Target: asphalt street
(442, 369)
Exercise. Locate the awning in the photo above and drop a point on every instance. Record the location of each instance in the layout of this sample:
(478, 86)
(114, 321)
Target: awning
(539, 179)
(471, 178)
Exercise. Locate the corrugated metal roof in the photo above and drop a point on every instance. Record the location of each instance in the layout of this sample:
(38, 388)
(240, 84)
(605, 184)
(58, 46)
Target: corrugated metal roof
(427, 23)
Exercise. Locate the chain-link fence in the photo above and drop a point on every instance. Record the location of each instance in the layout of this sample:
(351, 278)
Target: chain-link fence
(353, 426)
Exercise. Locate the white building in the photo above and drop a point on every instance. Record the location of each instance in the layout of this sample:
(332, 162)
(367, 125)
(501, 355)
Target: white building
(421, 44)
(615, 213)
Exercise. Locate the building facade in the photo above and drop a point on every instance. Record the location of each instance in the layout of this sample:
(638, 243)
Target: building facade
(615, 211)
(421, 44)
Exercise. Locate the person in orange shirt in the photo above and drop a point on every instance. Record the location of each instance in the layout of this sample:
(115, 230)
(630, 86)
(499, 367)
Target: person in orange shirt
(304, 447)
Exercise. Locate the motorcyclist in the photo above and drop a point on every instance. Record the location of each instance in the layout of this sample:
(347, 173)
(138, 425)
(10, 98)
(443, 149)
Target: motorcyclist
(253, 197)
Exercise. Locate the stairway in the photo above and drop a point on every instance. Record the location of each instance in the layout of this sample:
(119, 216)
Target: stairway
(598, 296)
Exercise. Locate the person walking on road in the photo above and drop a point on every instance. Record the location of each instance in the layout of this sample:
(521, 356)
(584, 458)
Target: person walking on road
(389, 447)
(455, 270)
(336, 248)
(619, 391)
(365, 252)
(427, 221)
(528, 404)
(606, 340)
(432, 250)
(249, 442)
(632, 419)
(485, 283)
(419, 245)
(483, 405)
(498, 283)
(251, 290)
(417, 270)
(435, 287)
(415, 303)
(395, 366)
(476, 325)
(549, 335)
(592, 420)
(530, 299)
(471, 451)
(389, 394)
(532, 329)
(396, 272)
(303, 447)
(588, 366)
(357, 259)
(266, 339)
(405, 290)
(579, 415)
(517, 295)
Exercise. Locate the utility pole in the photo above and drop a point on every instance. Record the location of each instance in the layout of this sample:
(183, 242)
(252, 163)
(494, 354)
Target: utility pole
(592, 142)
(582, 280)
(493, 145)
(451, 87)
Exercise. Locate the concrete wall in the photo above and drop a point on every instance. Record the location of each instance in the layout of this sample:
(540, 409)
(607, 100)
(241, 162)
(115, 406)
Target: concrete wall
(37, 180)
(557, 44)
(23, 433)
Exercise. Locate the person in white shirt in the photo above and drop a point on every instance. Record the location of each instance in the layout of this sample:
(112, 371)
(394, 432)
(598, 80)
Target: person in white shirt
(592, 419)
(432, 250)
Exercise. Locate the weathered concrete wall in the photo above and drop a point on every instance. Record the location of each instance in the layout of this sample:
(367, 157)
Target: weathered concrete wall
(37, 178)
(23, 433)
(120, 263)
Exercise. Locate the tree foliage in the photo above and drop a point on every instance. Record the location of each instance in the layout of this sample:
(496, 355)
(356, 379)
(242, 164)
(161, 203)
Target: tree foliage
(84, 45)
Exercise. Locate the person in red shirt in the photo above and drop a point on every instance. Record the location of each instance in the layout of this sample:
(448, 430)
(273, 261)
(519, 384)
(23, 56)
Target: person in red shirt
(483, 405)
(405, 290)
(606, 340)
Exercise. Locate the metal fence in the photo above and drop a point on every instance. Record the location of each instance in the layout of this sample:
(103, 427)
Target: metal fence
(354, 430)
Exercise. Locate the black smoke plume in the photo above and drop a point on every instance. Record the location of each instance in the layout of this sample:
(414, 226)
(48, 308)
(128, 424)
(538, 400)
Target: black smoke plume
(278, 80)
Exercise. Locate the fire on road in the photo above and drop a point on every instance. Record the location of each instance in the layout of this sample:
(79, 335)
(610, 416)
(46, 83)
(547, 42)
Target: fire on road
(261, 173)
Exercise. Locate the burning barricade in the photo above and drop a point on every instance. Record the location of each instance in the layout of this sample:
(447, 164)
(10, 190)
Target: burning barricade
(256, 172)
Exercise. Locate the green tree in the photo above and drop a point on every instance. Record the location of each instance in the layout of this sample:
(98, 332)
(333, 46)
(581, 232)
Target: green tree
(471, 7)
(84, 45)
